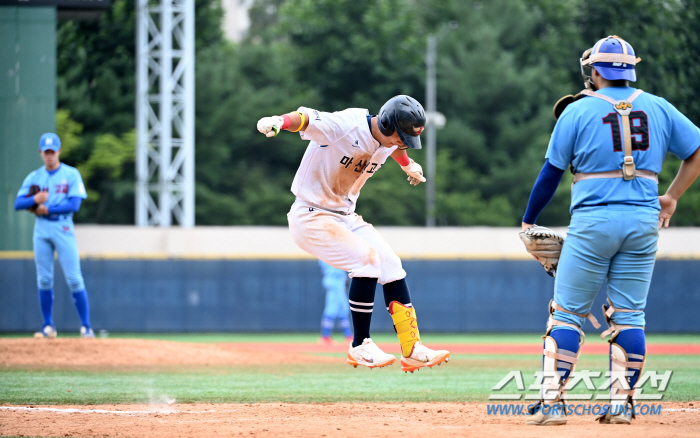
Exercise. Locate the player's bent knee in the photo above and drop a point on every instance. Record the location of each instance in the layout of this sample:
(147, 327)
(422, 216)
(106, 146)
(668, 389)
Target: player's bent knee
(75, 284)
(392, 270)
(45, 283)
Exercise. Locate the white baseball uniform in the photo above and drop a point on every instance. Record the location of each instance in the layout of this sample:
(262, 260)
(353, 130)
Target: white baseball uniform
(340, 157)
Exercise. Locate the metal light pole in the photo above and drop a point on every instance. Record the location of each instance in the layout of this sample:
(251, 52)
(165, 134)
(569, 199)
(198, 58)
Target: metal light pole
(435, 120)
(165, 112)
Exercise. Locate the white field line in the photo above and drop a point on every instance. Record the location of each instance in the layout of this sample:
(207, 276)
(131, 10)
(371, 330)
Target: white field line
(680, 410)
(99, 411)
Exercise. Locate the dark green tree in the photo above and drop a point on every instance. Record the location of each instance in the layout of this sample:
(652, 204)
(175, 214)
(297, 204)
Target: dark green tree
(96, 85)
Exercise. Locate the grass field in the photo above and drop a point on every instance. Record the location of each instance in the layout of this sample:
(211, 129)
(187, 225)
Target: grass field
(466, 378)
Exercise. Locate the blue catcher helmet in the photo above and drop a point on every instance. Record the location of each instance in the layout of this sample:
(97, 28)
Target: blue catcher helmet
(404, 115)
(612, 57)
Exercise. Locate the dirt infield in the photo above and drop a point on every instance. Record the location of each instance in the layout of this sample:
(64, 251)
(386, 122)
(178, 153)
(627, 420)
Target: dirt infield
(322, 420)
(271, 419)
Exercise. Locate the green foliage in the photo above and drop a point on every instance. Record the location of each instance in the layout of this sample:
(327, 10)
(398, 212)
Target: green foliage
(243, 178)
(370, 50)
(69, 131)
(498, 75)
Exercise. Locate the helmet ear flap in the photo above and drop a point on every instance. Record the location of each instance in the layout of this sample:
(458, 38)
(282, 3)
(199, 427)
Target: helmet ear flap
(385, 125)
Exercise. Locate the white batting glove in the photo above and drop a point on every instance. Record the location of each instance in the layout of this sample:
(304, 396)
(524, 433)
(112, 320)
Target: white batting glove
(270, 126)
(414, 172)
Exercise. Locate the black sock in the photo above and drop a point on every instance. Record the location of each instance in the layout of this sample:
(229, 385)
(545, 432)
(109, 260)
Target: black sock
(361, 297)
(397, 291)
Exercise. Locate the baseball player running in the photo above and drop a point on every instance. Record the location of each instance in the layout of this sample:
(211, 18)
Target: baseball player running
(615, 138)
(345, 149)
(54, 192)
(335, 282)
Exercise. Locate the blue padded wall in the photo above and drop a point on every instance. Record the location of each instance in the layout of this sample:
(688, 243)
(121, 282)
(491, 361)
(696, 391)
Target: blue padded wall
(286, 295)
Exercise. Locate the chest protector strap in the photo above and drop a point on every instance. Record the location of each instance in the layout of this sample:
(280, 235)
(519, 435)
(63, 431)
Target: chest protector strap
(624, 108)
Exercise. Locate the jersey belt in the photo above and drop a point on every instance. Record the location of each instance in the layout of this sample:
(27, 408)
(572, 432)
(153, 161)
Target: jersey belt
(54, 218)
(311, 204)
(646, 174)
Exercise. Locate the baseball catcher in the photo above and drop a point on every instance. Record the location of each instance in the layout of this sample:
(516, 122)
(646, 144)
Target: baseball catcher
(614, 138)
(544, 245)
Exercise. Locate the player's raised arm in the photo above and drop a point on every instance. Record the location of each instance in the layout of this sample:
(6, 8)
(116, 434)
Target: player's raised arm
(293, 122)
(412, 169)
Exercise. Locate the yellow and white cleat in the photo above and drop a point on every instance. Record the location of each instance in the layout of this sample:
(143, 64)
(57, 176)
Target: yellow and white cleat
(422, 356)
(369, 355)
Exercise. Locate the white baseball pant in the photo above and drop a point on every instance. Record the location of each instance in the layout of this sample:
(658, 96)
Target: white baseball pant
(345, 242)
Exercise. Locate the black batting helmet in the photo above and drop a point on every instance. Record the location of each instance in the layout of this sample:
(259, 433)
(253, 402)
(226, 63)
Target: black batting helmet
(404, 115)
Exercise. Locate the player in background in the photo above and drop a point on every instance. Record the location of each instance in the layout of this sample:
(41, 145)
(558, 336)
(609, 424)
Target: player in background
(53, 193)
(345, 149)
(615, 139)
(335, 282)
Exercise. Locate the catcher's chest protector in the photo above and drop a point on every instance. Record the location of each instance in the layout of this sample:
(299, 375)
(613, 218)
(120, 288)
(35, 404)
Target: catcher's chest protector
(629, 171)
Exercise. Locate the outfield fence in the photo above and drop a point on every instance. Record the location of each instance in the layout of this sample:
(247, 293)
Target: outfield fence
(213, 279)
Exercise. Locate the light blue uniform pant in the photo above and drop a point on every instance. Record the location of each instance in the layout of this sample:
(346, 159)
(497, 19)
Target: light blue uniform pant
(59, 236)
(335, 283)
(617, 243)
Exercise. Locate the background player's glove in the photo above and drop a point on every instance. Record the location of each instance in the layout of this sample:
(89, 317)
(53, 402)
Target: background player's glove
(270, 126)
(33, 190)
(415, 173)
(545, 245)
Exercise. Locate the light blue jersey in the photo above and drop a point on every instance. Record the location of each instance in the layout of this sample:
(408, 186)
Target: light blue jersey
(588, 135)
(65, 182)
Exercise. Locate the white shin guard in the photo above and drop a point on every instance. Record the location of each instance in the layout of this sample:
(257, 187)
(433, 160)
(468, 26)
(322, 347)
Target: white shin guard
(621, 369)
(553, 386)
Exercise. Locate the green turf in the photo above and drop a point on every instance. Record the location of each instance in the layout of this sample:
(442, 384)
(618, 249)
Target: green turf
(466, 378)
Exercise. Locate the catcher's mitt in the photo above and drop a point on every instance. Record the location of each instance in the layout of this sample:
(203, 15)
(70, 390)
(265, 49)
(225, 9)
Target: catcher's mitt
(33, 190)
(544, 244)
(562, 103)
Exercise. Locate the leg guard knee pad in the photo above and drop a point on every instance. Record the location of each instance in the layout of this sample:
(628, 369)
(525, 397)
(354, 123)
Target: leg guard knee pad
(405, 325)
(614, 329)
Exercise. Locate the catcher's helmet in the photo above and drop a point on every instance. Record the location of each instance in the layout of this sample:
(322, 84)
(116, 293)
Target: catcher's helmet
(404, 115)
(612, 57)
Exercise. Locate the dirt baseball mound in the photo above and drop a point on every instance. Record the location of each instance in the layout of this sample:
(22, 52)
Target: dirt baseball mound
(135, 353)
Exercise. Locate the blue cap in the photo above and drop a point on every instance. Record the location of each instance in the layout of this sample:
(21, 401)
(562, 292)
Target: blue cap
(49, 141)
(615, 70)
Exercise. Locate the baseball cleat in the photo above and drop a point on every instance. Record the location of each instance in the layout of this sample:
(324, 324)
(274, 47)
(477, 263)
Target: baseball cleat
(46, 332)
(86, 332)
(369, 355)
(325, 341)
(542, 414)
(422, 356)
(617, 415)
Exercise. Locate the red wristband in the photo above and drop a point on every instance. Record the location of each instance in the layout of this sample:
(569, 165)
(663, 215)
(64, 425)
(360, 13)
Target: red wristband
(403, 160)
(287, 122)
